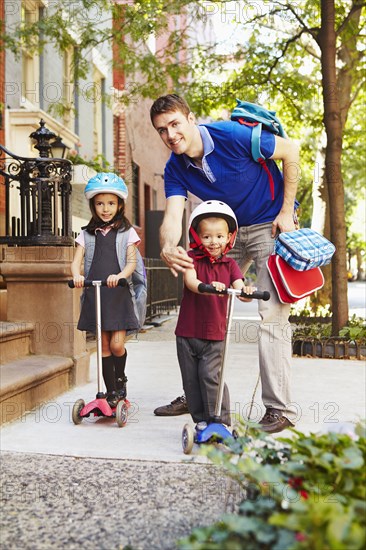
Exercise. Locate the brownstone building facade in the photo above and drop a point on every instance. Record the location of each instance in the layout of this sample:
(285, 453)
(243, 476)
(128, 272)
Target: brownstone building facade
(2, 115)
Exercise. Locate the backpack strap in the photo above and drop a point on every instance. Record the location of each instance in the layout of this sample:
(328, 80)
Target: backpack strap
(263, 163)
(256, 150)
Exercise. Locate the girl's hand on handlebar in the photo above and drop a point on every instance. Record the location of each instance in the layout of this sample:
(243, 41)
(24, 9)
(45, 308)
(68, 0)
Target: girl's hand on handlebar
(112, 281)
(78, 281)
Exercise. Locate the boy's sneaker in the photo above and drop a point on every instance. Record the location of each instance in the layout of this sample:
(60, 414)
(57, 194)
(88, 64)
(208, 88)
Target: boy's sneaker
(200, 426)
(175, 408)
(112, 399)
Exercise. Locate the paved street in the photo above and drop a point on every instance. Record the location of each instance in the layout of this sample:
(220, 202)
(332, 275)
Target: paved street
(97, 486)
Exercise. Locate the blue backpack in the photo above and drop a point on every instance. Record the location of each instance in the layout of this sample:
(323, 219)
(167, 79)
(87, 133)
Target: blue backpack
(257, 117)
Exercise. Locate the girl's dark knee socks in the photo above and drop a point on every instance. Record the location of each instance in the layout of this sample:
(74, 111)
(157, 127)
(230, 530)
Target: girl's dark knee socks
(108, 373)
(119, 369)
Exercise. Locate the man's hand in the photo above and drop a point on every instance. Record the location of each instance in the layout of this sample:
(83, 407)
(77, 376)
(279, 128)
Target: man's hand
(282, 223)
(176, 259)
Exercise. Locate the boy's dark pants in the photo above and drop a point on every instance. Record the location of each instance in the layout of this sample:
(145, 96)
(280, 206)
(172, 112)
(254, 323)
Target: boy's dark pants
(200, 363)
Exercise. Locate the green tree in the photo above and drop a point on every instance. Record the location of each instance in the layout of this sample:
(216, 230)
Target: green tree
(293, 46)
(286, 49)
(127, 25)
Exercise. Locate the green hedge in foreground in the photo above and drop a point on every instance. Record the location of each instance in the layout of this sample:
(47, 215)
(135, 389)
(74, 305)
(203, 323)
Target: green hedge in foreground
(302, 492)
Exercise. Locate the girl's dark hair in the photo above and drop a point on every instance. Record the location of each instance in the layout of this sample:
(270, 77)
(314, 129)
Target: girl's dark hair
(119, 221)
(167, 104)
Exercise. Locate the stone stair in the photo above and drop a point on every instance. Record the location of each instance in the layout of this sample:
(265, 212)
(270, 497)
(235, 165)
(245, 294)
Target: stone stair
(27, 380)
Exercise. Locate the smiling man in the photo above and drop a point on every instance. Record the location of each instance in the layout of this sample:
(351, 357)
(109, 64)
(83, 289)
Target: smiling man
(214, 162)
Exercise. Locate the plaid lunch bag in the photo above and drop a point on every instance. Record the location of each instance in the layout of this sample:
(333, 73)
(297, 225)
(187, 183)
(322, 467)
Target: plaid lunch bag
(304, 249)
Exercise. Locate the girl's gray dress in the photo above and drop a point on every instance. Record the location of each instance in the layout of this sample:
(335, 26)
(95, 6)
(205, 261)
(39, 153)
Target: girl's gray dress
(117, 312)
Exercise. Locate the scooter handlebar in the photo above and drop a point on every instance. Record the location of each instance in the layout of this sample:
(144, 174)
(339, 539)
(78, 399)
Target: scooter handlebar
(257, 294)
(121, 282)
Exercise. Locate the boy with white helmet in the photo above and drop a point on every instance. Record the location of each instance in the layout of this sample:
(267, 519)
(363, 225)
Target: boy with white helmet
(201, 323)
(102, 245)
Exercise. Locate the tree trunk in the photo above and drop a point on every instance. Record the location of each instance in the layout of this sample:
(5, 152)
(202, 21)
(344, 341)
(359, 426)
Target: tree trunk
(333, 152)
(321, 221)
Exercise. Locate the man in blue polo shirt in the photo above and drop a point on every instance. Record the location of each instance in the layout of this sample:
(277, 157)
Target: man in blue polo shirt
(213, 161)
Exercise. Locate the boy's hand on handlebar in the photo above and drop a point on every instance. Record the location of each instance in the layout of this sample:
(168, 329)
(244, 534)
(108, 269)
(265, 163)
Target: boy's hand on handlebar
(247, 290)
(219, 287)
(78, 281)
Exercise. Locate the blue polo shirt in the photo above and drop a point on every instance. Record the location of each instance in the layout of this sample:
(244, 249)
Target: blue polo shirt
(229, 173)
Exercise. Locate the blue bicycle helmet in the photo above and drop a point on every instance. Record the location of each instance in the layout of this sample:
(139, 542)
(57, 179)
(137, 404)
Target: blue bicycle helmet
(106, 182)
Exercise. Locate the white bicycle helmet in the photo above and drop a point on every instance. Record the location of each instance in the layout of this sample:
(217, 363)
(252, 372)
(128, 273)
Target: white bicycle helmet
(212, 209)
(106, 182)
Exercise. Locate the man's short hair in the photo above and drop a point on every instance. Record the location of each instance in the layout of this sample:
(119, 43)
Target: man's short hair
(167, 104)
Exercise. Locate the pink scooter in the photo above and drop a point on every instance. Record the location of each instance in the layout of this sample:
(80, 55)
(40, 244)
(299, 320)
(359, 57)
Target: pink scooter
(99, 406)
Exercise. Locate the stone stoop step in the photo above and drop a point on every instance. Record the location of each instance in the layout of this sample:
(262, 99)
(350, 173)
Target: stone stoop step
(28, 382)
(15, 340)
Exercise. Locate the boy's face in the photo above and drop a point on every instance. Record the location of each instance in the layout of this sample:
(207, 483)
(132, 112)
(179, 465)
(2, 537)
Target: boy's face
(214, 235)
(176, 130)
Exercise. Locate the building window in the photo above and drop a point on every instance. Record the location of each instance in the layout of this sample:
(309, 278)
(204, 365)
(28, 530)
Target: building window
(97, 114)
(30, 57)
(68, 89)
(147, 197)
(135, 194)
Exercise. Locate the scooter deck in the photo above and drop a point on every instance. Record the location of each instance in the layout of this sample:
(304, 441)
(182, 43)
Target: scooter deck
(215, 430)
(100, 407)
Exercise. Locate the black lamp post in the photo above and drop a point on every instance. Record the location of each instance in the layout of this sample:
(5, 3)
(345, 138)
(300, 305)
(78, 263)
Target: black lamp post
(42, 136)
(37, 193)
(59, 148)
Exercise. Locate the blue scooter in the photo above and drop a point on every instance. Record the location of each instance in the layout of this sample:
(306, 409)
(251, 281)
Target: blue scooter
(216, 431)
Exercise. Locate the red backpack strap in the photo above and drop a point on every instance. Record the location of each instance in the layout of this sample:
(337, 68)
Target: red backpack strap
(260, 160)
(247, 123)
(263, 163)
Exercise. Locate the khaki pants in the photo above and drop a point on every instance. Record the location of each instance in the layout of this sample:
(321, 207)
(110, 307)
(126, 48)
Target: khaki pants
(275, 349)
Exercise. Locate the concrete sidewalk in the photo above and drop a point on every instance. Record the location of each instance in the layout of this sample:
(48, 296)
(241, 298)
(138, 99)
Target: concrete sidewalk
(325, 392)
(97, 486)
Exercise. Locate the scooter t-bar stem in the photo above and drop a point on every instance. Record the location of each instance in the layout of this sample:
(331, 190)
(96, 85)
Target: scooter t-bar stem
(97, 285)
(257, 294)
(121, 282)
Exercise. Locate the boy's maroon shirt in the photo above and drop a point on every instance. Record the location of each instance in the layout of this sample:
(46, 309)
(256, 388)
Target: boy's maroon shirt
(204, 315)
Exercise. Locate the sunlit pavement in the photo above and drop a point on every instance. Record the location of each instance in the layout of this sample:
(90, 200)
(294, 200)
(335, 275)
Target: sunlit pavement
(325, 392)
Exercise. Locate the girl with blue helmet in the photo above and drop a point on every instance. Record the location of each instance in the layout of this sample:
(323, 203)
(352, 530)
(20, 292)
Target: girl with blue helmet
(107, 247)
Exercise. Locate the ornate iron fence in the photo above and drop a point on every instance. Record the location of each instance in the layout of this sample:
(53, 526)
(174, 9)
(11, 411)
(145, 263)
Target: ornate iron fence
(162, 288)
(37, 200)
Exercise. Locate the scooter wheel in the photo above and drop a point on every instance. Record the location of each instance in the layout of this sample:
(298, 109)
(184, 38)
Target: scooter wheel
(187, 439)
(78, 406)
(121, 413)
(235, 434)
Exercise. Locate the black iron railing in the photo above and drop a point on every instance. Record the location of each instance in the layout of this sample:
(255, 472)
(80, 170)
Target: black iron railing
(37, 200)
(162, 288)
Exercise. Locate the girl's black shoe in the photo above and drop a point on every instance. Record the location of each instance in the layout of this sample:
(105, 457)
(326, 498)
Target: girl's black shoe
(121, 384)
(112, 398)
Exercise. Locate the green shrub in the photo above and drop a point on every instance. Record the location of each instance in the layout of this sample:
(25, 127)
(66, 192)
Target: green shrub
(354, 331)
(304, 492)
